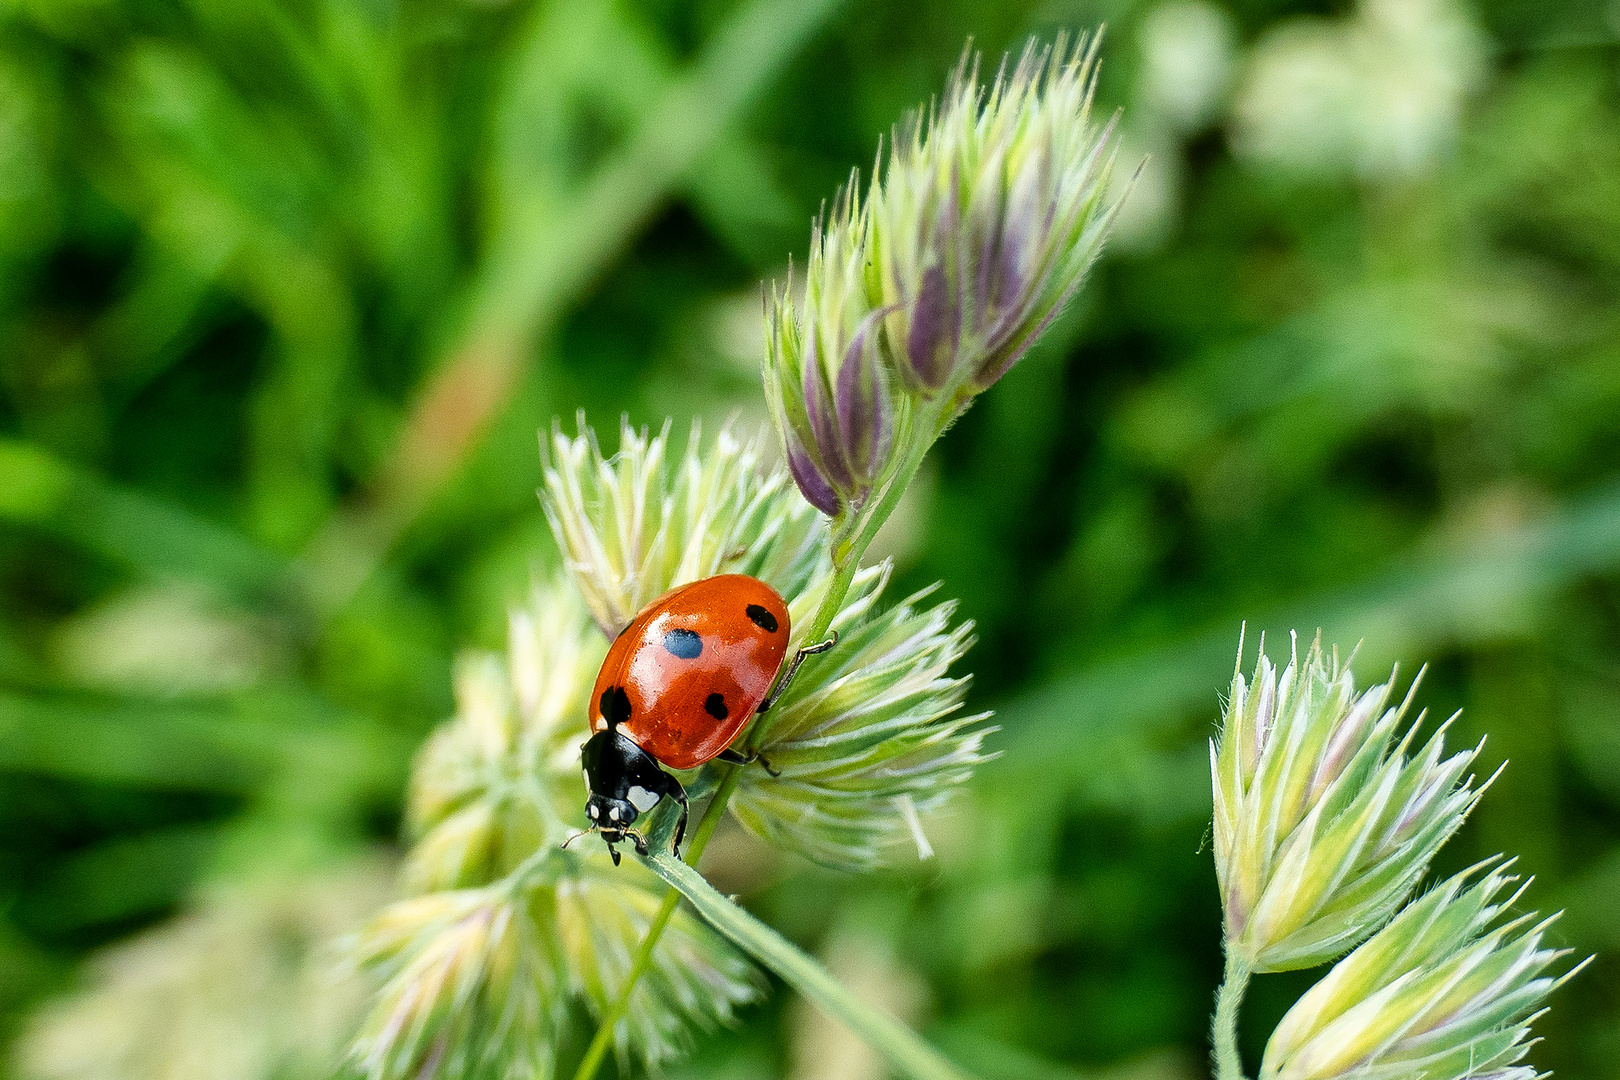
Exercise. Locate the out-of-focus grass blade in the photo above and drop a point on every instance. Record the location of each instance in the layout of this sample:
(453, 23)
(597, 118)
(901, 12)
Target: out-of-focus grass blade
(541, 264)
(603, 51)
(145, 745)
(1423, 600)
(161, 542)
(121, 879)
(240, 745)
(158, 540)
(24, 966)
(153, 323)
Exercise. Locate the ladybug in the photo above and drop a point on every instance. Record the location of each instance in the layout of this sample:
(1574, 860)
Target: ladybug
(677, 686)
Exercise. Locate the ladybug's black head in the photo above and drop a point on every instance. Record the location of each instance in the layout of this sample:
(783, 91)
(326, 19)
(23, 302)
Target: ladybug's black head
(623, 782)
(610, 815)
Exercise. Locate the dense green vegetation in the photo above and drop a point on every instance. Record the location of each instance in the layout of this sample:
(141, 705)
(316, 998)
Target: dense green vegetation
(287, 289)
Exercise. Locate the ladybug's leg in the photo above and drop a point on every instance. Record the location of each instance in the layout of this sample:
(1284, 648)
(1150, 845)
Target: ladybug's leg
(678, 793)
(793, 669)
(730, 755)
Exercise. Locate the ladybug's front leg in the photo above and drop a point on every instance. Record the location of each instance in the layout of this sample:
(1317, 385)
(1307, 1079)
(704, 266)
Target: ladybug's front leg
(674, 790)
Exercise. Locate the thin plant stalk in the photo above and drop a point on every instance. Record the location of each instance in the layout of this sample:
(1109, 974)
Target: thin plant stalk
(845, 565)
(1228, 1063)
(906, 1053)
(597, 1050)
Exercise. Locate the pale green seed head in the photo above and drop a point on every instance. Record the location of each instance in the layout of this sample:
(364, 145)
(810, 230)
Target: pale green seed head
(696, 982)
(977, 228)
(500, 780)
(869, 737)
(480, 972)
(1323, 822)
(634, 525)
(473, 985)
(1438, 993)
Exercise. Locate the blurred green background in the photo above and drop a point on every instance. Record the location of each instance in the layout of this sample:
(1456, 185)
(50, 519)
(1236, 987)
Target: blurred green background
(287, 288)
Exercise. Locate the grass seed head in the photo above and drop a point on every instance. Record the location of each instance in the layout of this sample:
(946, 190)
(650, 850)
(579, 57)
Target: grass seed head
(1446, 991)
(1326, 816)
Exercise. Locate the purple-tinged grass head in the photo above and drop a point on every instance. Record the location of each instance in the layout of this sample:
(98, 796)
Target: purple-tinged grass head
(978, 227)
(828, 386)
(987, 216)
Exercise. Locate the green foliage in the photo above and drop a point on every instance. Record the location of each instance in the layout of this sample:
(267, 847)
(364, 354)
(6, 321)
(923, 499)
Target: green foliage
(287, 288)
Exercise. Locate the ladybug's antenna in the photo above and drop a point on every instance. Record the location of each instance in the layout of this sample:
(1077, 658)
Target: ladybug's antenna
(576, 836)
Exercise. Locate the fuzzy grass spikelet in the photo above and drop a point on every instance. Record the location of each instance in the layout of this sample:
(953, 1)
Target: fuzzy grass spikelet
(988, 216)
(479, 982)
(691, 985)
(488, 789)
(977, 228)
(1439, 993)
(633, 525)
(868, 739)
(473, 986)
(1325, 820)
(828, 387)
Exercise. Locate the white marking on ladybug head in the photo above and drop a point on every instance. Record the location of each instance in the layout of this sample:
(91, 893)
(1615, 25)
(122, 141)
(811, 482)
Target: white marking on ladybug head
(613, 813)
(643, 800)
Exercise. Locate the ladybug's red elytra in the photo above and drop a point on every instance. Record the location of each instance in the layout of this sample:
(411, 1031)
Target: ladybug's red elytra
(677, 686)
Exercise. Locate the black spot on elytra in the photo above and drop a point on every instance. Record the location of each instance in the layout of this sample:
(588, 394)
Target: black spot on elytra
(615, 706)
(761, 618)
(715, 706)
(683, 644)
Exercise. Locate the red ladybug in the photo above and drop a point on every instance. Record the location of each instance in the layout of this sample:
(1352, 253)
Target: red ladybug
(677, 686)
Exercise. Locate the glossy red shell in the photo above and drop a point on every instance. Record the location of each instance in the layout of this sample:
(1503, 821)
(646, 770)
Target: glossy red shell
(693, 667)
